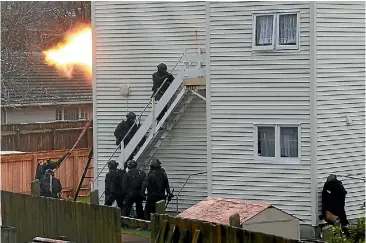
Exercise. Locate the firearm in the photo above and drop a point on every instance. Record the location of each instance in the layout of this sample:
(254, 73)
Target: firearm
(170, 196)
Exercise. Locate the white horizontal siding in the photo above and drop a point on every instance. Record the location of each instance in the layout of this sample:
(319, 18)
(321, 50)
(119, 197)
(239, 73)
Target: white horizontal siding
(341, 93)
(132, 38)
(184, 152)
(250, 87)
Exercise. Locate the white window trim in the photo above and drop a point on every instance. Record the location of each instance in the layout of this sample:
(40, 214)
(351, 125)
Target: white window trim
(275, 43)
(277, 39)
(277, 159)
(254, 31)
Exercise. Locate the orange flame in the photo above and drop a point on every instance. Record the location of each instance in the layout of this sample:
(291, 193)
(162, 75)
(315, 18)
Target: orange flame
(75, 51)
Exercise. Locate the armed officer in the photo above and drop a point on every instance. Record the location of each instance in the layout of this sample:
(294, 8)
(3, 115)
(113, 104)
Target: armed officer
(158, 79)
(49, 165)
(50, 186)
(132, 184)
(156, 184)
(333, 202)
(113, 185)
(122, 129)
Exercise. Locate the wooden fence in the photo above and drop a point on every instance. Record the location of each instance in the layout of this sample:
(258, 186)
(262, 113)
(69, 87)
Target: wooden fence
(44, 136)
(18, 171)
(34, 216)
(175, 229)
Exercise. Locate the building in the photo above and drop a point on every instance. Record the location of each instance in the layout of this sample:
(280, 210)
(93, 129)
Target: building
(32, 91)
(283, 105)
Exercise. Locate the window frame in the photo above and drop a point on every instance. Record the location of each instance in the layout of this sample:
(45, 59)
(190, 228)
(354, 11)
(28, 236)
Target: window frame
(4, 117)
(82, 109)
(254, 32)
(276, 31)
(277, 40)
(277, 158)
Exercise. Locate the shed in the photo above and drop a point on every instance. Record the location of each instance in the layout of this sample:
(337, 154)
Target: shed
(256, 217)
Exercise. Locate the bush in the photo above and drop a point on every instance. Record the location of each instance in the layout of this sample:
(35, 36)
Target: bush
(357, 233)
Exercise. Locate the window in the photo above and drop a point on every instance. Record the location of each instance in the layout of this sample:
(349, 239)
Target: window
(277, 143)
(71, 113)
(3, 116)
(83, 113)
(59, 114)
(276, 31)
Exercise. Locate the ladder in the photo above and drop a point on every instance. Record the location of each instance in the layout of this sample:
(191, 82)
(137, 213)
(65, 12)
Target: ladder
(178, 96)
(87, 167)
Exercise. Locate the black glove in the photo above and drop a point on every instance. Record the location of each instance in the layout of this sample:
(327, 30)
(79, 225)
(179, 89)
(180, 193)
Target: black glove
(170, 196)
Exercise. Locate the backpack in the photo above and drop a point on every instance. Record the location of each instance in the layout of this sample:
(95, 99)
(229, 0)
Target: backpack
(137, 179)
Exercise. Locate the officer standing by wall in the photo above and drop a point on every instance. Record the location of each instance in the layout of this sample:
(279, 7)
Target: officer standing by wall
(113, 185)
(132, 184)
(156, 184)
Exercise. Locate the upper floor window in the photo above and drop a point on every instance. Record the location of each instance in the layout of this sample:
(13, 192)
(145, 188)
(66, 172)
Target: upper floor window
(276, 31)
(277, 143)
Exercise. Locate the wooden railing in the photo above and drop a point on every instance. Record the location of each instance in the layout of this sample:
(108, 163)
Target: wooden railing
(18, 171)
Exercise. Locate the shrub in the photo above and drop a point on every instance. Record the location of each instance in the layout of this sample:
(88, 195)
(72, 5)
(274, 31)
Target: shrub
(357, 233)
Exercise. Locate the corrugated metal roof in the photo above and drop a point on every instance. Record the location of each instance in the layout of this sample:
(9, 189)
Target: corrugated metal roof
(27, 80)
(218, 210)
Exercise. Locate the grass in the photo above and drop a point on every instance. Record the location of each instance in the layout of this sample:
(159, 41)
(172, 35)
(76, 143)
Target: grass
(142, 233)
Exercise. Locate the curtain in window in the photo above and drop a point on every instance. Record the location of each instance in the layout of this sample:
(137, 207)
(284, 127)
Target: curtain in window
(287, 29)
(266, 141)
(289, 142)
(264, 30)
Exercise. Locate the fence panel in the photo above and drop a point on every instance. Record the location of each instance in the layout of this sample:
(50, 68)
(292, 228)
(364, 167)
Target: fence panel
(34, 216)
(207, 232)
(18, 171)
(44, 136)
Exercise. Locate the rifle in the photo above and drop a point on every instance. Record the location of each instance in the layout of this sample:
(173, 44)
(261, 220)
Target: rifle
(169, 199)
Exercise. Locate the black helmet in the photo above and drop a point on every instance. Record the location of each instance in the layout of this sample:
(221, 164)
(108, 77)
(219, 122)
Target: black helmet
(131, 164)
(155, 163)
(162, 66)
(112, 164)
(131, 115)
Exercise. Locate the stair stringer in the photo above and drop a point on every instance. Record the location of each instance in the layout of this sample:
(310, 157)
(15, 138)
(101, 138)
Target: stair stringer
(170, 127)
(142, 131)
(152, 135)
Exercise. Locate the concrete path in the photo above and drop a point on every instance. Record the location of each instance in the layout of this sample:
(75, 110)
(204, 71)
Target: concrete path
(134, 239)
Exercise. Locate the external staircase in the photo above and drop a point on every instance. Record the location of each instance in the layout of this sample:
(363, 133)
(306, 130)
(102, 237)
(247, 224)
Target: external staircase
(178, 96)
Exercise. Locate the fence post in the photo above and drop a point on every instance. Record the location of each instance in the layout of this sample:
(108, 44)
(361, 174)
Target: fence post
(18, 143)
(235, 220)
(53, 139)
(33, 165)
(35, 188)
(160, 207)
(75, 172)
(94, 197)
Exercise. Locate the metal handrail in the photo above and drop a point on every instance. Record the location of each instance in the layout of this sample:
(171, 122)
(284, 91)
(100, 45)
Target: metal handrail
(177, 198)
(135, 122)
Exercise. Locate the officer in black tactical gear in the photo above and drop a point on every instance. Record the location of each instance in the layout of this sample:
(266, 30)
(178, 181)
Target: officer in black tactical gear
(333, 202)
(50, 186)
(49, 165)
(123, 128)
(113, 185)
(156, 184)
(158, 79)
(132, 184)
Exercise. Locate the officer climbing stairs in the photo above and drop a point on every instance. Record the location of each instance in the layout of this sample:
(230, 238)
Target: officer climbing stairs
(186, 85)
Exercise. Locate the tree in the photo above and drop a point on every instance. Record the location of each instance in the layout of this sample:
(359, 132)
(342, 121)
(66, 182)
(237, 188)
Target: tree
(27, 29)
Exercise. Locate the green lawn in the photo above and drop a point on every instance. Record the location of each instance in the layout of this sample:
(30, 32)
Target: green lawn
(142, 233)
